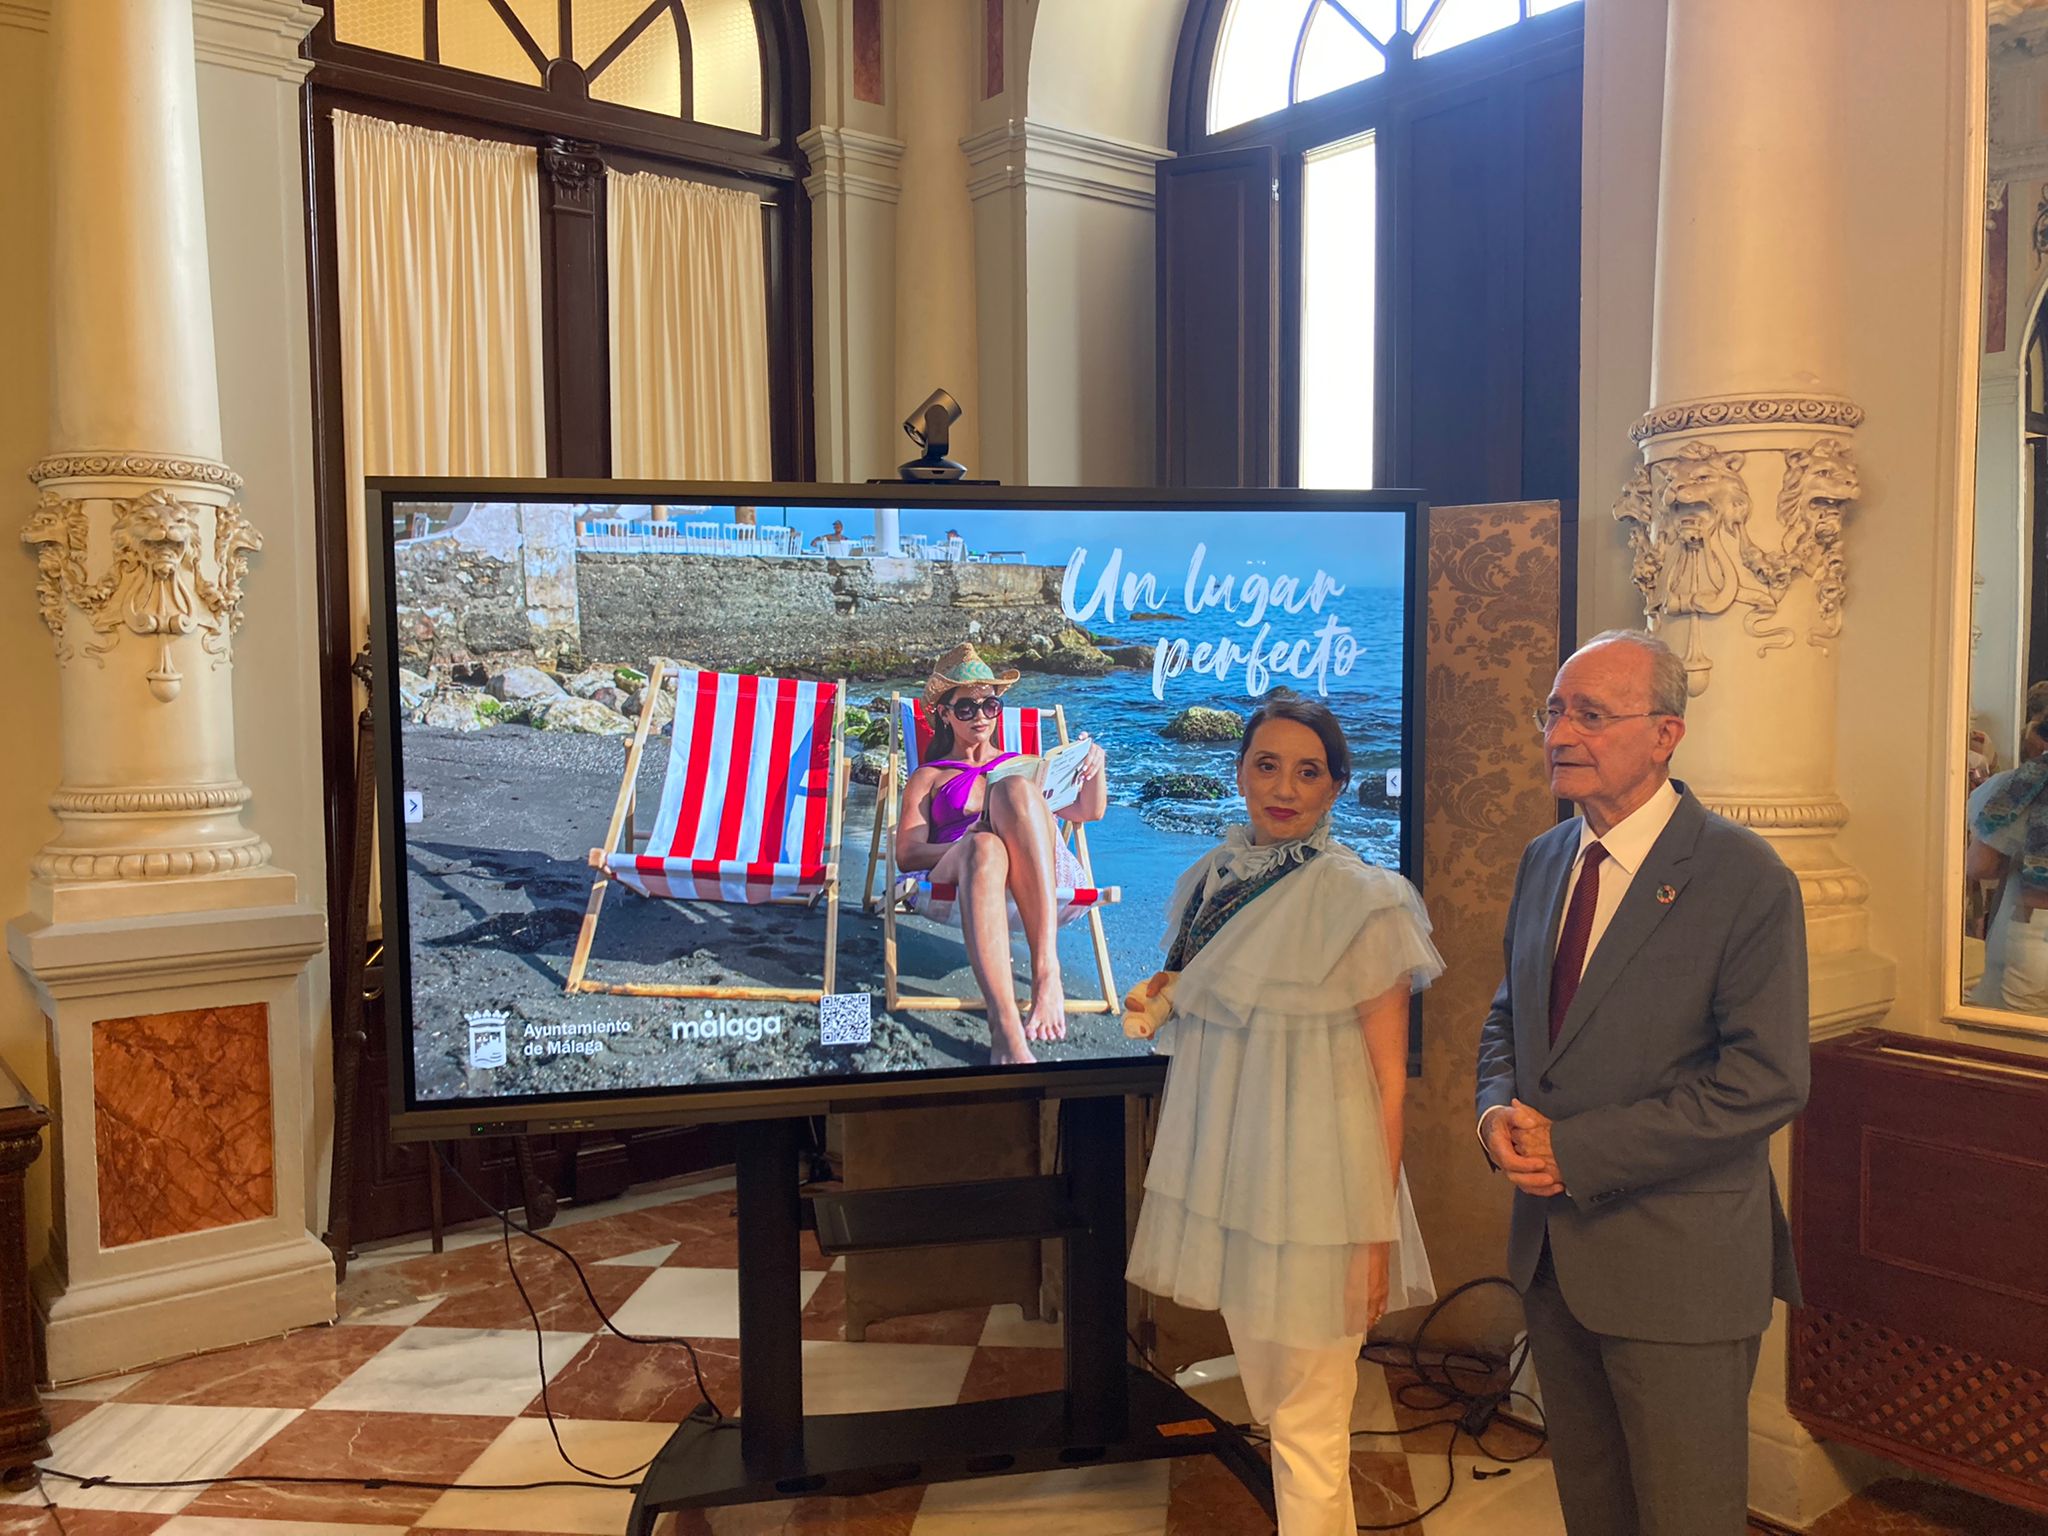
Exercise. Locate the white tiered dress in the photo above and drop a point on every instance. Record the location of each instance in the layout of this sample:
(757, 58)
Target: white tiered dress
(1270, 1164)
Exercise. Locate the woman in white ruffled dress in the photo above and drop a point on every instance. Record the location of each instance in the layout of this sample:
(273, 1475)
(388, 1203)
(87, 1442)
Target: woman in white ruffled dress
(1275, 1192)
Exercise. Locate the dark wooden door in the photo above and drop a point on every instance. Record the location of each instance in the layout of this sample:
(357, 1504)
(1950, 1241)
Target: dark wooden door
(1219, 252)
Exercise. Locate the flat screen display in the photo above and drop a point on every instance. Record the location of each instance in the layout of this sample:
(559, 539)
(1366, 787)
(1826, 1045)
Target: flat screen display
(699, 800)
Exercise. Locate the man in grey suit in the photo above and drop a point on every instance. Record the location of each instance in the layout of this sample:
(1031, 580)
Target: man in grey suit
(1649, 1035)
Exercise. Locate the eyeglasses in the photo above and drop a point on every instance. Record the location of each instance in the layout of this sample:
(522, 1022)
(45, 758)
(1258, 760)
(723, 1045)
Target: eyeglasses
(1587, 722)
(967, 709)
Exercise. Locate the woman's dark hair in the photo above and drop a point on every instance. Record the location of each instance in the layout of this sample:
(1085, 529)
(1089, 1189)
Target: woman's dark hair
(1282, 704)
(940, 718)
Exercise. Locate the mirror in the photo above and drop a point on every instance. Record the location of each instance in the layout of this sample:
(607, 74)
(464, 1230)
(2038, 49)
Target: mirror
(2004, 823)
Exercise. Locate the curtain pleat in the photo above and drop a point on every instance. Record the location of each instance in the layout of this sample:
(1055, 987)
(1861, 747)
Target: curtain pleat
(438, 245)
(689, 331)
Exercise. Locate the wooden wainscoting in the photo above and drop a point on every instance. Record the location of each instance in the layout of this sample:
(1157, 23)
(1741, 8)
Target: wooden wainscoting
(1920, 1209)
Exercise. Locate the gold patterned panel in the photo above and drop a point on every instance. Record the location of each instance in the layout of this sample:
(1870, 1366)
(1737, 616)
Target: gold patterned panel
(1493, 620)
(389, 26)
(648, 76)
(182, 1122)
(598, 22)
(725, 63)
(474, 37)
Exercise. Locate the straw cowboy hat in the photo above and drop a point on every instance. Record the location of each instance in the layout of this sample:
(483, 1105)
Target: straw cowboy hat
(959, 668)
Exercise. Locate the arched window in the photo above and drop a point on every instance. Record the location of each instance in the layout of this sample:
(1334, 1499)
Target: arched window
(1402, 176)
(708, 91)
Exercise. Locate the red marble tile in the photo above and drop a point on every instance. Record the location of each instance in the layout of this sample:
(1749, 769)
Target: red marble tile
(706, 1232)
(181, 1121)
(292, 1372)
(422, 1447)
(62, 1412)
(883, 1514)
(825, 1319)
(1205, 1499)
(1381, 1488)
(991, 48)
(642, 1383)
(1003, 1372)
(1899, 1506)
(867, 51)
(552, 1287)
(33, 1520)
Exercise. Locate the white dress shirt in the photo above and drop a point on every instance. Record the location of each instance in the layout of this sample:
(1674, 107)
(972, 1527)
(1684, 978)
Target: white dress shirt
(1628, 843)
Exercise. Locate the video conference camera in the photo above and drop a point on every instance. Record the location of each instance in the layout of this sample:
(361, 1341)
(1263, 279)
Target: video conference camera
(930, 427)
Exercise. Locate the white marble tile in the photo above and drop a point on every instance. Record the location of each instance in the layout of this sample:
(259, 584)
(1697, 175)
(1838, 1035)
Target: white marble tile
(491, 1371)
(526, 1453)
(868, 1378)
(1525, 1501)
(646, 1258)
(95, 1391)
(137, 1442)
(404, 1315)
(1008, 1328)
(697, 1303)
(839, 1266)
(1127, 1500)
(215, 1525)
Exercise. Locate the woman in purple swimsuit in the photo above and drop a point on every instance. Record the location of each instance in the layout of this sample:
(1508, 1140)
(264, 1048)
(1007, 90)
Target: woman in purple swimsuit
(997, 844)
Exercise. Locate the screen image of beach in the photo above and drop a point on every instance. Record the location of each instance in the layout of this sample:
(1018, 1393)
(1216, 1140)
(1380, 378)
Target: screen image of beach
(642, 752)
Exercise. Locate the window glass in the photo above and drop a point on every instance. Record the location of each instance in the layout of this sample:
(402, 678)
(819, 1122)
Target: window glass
(1335, 54)
(1338, 268)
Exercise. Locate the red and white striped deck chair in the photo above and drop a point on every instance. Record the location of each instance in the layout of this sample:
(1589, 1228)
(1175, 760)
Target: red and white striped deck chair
(1020, 729)
(750, 813)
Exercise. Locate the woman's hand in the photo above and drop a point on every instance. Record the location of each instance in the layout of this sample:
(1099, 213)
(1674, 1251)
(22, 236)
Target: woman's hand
(1092, 761)
(1366, 1287)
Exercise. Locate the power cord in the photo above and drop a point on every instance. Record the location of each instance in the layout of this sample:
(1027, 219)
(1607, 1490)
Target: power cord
(707, 1409)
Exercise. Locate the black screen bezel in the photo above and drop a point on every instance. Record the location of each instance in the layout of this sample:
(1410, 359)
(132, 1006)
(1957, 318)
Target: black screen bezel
(691, 1104)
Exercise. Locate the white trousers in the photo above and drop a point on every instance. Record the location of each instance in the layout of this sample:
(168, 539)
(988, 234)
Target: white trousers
(1303, 1397)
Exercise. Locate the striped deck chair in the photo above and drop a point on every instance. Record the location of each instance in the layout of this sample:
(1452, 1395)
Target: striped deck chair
(1020, 729)
(750, 813)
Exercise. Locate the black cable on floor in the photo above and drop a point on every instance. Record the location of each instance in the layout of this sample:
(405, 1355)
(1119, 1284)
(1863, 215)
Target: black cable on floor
(716, 1415)
(1436, 1374)
(507, 1227)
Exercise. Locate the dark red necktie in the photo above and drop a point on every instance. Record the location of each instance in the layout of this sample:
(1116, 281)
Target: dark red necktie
(1571, 939)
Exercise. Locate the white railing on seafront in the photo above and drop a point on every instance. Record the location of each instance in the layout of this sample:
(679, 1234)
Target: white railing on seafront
(618, 536)
(622, 536)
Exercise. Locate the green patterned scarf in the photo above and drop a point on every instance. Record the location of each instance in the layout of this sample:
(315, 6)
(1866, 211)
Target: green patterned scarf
(1204, 918)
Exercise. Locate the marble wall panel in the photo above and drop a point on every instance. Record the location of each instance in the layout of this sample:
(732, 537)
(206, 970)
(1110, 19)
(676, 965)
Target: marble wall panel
(182, 1122)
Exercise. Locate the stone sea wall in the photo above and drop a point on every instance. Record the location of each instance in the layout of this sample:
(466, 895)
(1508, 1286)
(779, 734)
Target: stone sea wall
(506, 586)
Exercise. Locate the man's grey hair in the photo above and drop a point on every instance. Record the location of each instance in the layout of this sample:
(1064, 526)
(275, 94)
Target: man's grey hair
(1667, 672)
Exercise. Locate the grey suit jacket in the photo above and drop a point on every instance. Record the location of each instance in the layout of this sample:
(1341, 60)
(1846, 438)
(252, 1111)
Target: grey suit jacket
(1683, 1050)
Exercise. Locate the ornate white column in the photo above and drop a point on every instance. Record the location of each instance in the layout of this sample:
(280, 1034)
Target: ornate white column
(936, 339)
(1737, 517)
(140, 540)
(166, 950)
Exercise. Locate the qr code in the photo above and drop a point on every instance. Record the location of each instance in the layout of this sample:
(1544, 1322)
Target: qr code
(846, 1018)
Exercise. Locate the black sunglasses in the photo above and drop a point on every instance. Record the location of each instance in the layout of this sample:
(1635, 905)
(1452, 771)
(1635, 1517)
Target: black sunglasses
(967, 709)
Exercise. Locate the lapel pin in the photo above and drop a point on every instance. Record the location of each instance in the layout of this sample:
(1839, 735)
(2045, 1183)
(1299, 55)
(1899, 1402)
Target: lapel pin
(1666, 894)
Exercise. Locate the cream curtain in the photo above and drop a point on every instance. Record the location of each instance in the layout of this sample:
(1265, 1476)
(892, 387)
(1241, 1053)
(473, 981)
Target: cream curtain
(438, 260)
(689, 315)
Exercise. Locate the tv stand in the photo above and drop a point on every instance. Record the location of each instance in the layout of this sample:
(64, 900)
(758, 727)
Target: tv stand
(1109, 1410)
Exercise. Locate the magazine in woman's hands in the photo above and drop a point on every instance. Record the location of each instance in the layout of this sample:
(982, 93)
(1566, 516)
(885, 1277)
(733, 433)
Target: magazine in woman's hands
(1057, 772)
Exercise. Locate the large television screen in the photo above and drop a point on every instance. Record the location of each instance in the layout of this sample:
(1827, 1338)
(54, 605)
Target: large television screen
(707, 801)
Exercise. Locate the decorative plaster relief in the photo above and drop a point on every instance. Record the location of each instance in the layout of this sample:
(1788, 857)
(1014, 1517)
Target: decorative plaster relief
(1697, 554)
(182, 1122)
(159, 586)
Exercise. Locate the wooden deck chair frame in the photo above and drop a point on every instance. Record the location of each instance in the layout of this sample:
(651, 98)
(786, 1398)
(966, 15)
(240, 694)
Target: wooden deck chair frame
(884, 843)
(620, 837)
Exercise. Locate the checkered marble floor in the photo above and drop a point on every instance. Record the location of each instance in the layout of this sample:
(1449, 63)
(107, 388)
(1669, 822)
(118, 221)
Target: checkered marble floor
(433, 1374)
